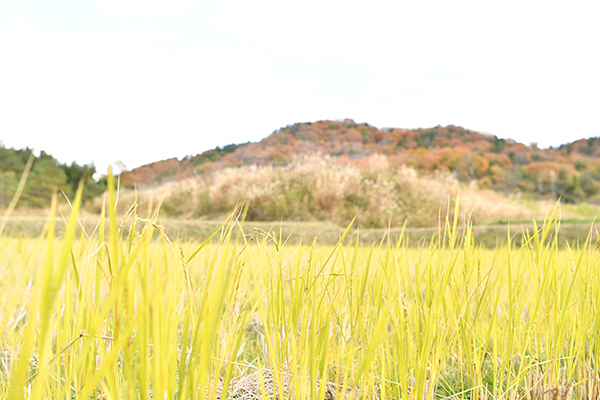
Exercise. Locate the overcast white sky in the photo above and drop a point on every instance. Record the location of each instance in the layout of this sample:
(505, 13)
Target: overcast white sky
(144, 80)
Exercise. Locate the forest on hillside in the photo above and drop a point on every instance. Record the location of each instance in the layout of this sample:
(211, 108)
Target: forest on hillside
(46, 177)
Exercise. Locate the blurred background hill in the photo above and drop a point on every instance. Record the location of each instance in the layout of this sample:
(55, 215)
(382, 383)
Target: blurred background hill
(334, 170)
(571, 171)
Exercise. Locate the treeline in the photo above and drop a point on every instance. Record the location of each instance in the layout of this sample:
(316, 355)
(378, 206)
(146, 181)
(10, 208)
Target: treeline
(47, 176)
(570, 172)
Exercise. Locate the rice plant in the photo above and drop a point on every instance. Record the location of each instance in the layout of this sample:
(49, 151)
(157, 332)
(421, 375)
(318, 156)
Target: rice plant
(124, 312)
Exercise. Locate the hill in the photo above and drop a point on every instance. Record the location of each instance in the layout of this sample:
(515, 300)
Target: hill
(571, 172)
(335, 170)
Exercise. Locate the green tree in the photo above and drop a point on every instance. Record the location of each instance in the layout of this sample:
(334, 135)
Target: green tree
(8, 186)
(588, 185)
(46, 178)
(78, 174)
(13, 160)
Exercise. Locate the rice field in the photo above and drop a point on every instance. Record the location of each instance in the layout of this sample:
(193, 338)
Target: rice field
(124, 312)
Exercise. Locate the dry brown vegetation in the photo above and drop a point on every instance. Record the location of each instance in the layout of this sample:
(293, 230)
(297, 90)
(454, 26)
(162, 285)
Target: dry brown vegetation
(317, 187)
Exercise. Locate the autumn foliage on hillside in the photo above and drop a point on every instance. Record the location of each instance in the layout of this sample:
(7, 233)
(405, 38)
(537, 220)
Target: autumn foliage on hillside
(571, 172)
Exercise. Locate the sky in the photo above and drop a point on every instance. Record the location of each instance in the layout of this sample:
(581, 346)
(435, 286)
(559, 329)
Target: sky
(139, 81)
